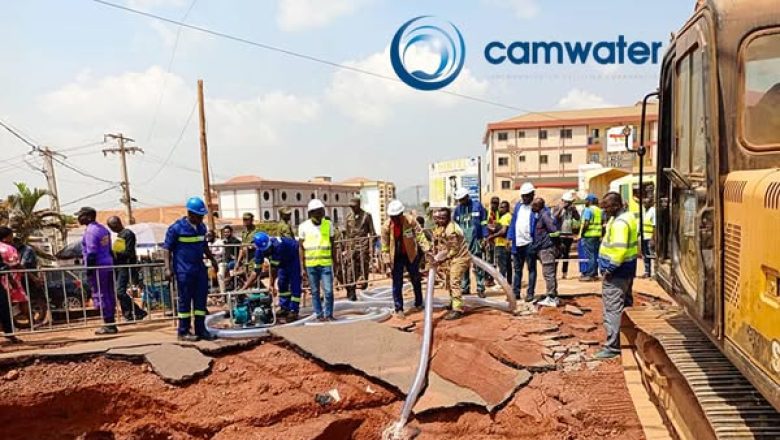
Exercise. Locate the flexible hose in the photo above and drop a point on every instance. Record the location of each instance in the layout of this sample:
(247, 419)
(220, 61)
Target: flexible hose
(375, 305)
(511, 302)
(421, 376)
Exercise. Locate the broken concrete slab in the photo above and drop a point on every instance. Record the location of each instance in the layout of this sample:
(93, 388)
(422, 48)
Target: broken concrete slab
(132, 352)
(384, 353)
(521, 354)
(442, 393)
(589, 342)
(177, 364)
(573, 310)
(454, 361)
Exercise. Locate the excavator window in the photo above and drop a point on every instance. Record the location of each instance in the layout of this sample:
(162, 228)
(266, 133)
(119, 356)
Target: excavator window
(761, 92)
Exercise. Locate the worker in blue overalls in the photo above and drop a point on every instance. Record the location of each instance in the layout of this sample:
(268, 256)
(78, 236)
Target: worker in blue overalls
(471, 216)
(282, 254)
(185, 246)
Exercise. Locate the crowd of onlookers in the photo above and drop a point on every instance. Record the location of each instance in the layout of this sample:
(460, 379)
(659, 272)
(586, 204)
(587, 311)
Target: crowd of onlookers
(320, 255)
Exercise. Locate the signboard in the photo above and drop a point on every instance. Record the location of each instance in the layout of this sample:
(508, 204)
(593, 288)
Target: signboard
(616, 141)
(444, 178)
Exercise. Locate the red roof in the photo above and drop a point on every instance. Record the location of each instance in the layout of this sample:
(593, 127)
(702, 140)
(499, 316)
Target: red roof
(249, 178)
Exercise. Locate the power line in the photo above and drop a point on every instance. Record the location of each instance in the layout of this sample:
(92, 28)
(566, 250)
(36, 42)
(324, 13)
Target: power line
(167, 72)
(19, 136)
(83, 173)
(80, 147)
(175, 145)
(298, 54)
(103, 191)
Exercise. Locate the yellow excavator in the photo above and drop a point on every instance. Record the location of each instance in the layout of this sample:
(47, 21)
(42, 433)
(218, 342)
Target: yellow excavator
(717, 238)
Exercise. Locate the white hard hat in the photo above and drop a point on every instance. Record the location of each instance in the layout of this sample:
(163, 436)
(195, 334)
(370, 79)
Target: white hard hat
(527, 188)
(568, 196)
(461, 193)
(395, 207)
(315, 204)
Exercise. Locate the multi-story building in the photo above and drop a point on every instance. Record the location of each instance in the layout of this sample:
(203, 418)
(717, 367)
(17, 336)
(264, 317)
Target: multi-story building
(548, 148)
(264, 197)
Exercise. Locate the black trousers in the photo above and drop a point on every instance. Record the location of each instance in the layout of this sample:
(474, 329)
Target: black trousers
(6, 320)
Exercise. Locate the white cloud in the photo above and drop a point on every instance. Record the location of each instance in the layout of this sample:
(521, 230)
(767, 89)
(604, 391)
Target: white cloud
(296, 15)
(373, 100)
(523, 9)
(578, 99)
(126, 103)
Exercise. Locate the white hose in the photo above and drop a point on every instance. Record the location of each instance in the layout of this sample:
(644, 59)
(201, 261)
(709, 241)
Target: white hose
(375, 305)
(511, 302)
(421, 376)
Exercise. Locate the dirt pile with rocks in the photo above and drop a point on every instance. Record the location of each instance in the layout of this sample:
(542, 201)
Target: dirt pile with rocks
(275, 391)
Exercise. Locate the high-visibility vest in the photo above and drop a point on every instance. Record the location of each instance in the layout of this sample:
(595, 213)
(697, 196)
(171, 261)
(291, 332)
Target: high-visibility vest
(648, 228)
(318, 252)
(594, 225)
(620, 239)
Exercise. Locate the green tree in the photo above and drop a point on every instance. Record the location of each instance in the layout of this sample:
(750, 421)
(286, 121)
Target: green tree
(23, 218)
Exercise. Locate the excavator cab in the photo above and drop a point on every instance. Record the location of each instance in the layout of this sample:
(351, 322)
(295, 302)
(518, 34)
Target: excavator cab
(718, 181)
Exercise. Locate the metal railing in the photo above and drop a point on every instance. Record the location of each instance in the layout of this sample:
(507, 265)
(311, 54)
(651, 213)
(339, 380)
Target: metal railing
(58, 298)
(71, 297)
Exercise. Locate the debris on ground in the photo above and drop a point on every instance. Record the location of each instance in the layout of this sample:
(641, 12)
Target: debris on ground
(266, 391)
(573, 310)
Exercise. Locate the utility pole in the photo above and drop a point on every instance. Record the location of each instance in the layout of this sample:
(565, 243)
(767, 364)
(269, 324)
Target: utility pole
(51, 182)
(204, 156)
(51, 179)
(122, 150)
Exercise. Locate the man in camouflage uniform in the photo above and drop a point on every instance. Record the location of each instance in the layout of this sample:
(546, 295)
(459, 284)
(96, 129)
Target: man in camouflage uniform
(450, 237)
(360, 235)
(285, 228)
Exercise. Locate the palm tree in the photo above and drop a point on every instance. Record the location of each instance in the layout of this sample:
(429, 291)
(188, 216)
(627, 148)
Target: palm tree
(22, 216)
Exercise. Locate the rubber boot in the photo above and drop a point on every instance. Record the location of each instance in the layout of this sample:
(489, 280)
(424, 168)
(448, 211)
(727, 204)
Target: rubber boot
(201, 331)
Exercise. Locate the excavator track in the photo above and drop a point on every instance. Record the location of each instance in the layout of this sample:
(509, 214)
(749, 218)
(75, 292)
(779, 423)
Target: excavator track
(733, 408)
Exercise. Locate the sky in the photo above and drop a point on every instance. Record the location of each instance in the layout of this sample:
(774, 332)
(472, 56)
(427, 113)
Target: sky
(75, 70)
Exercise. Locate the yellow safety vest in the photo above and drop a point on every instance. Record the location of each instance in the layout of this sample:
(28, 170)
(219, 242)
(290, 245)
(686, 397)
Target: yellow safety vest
(620, 239)
(317, 252)
(594, 225)
(648, 228)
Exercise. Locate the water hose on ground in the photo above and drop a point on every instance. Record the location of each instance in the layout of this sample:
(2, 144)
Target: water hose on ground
(375, 305)
(397, 430)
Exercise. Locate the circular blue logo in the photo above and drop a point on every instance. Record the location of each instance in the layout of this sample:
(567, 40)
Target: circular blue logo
(441, 38)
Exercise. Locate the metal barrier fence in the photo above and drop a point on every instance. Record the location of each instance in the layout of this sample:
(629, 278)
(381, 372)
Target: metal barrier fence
(57, 298)
(62, 298)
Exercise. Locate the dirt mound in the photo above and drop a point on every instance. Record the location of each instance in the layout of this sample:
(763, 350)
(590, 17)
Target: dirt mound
(269, 392)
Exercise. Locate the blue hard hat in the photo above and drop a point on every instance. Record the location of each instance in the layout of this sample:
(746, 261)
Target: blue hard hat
(591, 198)
(262, 241)
(196, 205)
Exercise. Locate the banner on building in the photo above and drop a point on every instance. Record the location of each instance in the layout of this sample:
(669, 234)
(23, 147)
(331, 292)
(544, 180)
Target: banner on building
(616, 140)
(444, 178)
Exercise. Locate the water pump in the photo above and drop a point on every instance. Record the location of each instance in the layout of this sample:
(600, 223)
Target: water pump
(254, 309)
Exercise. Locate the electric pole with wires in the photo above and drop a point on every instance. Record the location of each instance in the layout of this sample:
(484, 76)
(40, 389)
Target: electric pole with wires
(51, 179)
(122, 150)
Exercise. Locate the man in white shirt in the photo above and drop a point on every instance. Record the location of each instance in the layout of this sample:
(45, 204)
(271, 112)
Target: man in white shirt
(520, 237)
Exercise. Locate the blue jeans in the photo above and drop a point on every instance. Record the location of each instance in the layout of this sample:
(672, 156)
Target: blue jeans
(521, 256)
(591, 246)
(316, 275)
(400, 263)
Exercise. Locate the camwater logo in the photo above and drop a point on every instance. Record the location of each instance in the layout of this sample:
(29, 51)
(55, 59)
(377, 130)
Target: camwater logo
(443, 39)
(427, 33)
